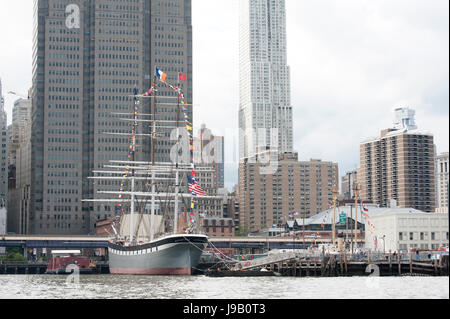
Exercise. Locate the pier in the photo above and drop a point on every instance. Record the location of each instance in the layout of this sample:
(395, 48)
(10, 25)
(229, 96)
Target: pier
(336, 265)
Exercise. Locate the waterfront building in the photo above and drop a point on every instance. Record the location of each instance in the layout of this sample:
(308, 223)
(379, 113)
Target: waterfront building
(88, 58)
(302, 187)
(442, 180)
(321, 224)
(399, 165)
(265, 111)
(217, 227)
(407, 228)
(348, 182)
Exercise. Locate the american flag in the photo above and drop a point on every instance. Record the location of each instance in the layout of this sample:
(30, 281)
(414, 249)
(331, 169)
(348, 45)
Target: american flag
(195, 189)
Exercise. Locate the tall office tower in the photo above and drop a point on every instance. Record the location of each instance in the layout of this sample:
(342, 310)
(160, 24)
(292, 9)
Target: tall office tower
(347, 184)
(265, 111)
(88, 58)
(302, 187)
(399, 165)
(4, 150)
(19, 197)
(442, 180)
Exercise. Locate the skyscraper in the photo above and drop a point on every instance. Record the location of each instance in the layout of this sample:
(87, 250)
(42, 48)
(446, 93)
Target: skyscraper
(265, 112)
(88, 58)
(399, 165)
(3, 150)
(20, 119)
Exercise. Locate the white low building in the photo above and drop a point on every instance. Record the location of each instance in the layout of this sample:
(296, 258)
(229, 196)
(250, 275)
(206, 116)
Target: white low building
(401, 229)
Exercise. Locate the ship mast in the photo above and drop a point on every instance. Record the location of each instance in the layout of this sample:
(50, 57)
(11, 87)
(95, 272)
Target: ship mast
(177, 173)
(152, 226)
(133, 180)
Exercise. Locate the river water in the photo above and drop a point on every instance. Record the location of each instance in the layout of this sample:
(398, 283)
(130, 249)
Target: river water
(201, 287)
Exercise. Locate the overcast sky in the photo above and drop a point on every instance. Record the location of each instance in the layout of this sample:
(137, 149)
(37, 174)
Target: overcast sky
(352, 62)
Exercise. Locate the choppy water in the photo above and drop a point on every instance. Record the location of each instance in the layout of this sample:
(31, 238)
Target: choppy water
(200, 287)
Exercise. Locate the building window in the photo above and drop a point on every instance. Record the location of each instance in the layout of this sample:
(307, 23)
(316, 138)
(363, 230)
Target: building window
(411, 236)
(400, 236)
(433, 236)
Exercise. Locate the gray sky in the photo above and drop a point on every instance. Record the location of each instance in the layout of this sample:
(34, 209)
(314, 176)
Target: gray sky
(352, 62)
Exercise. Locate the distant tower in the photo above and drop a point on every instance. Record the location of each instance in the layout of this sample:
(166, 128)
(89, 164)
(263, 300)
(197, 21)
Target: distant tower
(3, 149)
(265, 111)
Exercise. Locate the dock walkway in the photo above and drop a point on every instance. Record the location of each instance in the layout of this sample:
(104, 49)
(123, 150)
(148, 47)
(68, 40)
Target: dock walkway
(303, 264)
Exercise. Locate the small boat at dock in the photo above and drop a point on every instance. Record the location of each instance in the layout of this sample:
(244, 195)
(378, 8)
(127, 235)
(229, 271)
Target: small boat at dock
(63, 262)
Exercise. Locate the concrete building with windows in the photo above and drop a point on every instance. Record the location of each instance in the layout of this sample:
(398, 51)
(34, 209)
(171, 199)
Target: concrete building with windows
(399, 165)
(206, 176)
(209, 150)
(265, 111)
(88, 58)
(304, 187)
(402, 229)
(19, 197)
(348, 182)
(218, 226)
(21, 117)
(442, 180)
(4, 150)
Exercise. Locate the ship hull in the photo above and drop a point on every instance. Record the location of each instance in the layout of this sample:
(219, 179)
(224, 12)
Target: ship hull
(173, 255)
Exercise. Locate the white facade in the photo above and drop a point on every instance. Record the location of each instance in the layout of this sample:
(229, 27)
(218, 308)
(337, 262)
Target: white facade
(442, 168)
(265, 112)
(404, 229)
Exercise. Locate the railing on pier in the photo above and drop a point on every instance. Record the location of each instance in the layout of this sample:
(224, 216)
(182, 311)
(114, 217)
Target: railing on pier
(271, 259)
(347, 264)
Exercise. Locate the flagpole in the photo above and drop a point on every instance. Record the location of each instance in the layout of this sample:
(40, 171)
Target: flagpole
(356, 214)
(303, 229)
(153, 139)
(351, 218)
(334, 214)
(175, 221)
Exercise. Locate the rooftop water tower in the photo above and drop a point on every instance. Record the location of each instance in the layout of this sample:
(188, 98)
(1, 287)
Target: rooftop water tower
(404, 118)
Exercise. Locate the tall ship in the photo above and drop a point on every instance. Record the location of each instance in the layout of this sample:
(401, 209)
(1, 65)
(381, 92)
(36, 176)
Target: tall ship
(155, 228)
